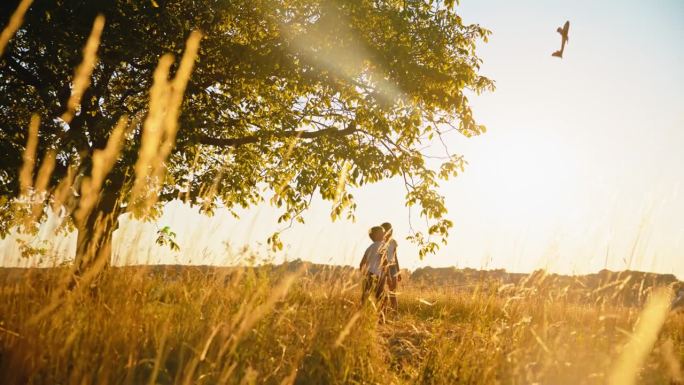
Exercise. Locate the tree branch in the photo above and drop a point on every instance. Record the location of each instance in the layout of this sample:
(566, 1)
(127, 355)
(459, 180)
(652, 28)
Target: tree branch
(236, 142)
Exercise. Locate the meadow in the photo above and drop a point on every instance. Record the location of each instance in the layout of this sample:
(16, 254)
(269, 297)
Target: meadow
(270, 325)
(87, 322)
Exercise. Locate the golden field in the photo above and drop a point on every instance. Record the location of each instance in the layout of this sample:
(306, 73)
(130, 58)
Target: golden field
(273, 325)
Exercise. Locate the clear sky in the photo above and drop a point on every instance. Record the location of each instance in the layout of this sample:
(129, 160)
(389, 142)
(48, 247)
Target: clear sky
(581, 167)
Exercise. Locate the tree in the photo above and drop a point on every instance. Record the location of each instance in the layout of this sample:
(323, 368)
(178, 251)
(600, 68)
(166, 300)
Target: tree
(289, 96)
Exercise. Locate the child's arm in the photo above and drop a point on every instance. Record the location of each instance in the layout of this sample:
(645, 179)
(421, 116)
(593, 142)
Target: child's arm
(364, 261)
(396, 255)
(396, 260)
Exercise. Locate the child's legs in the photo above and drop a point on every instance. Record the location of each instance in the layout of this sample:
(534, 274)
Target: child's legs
(380, 287)
(381, 296)
(365, 288)
(392, 292)
(369, 284)
(392, 283)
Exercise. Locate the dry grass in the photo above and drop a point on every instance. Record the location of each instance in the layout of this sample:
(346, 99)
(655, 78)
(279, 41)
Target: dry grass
(269, 326)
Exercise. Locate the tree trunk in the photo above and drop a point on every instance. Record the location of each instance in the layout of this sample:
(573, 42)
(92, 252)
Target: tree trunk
(94, 242)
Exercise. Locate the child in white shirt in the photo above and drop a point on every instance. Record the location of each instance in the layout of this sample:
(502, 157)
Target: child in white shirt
(372, 264)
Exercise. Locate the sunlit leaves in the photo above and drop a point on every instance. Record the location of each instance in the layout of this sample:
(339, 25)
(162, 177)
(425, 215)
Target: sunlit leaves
(382, 80)
(166, 237)
(452, 167)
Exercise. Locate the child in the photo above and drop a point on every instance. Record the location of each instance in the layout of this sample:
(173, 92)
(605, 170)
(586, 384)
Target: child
(371, 264)
(391, 272)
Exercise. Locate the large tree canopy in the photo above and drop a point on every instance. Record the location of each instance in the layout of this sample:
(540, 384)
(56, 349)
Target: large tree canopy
(296, 97)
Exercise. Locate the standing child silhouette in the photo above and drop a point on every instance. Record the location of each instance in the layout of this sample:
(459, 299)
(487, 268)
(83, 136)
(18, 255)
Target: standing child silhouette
(371, 265)
(392, 274)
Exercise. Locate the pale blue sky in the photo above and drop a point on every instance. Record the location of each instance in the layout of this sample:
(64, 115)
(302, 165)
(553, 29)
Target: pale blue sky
(581, 167)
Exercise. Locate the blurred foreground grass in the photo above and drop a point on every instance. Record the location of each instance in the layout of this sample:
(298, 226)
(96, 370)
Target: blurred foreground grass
(272, 326)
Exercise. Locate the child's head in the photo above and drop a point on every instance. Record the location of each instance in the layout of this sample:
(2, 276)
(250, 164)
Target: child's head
(388, 229)
(376, 233)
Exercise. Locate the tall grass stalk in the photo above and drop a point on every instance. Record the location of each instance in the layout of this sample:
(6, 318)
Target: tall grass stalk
(643, 339)
(83, 72)
(14, 23)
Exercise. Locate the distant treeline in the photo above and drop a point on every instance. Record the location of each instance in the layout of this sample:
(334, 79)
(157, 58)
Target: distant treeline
(623, 287)
(627, 288)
